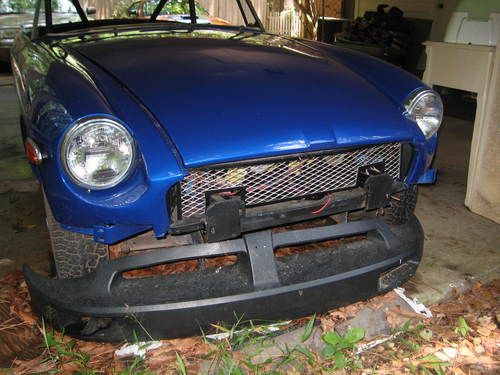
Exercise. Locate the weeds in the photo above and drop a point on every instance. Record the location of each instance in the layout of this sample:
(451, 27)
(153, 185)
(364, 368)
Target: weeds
(407, 342)
(430, 364)
(337, 346)
(136, 366)
(181, 367)
(65, 357)
(309, 328)
(64, 353)
(242, 334)
(463, 328)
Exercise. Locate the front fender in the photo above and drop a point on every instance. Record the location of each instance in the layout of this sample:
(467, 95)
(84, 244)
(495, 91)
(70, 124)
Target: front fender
(70, 90)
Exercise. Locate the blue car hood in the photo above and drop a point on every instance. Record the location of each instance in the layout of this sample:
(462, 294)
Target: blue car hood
(224, 95)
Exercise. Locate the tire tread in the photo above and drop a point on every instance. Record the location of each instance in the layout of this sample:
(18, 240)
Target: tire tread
(74, 254)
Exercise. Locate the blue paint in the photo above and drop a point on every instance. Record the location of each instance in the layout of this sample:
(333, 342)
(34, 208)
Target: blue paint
(429, 177)
(191, 98)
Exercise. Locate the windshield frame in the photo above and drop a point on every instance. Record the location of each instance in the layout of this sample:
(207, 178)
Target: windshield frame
(38, 30)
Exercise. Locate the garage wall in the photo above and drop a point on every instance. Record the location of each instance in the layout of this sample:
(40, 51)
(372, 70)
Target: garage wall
(333, 8)
(425, 9)
(439, 11)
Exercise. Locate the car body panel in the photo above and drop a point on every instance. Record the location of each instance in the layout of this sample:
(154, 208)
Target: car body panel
(198, 95)
(325, 96)
(52, 106)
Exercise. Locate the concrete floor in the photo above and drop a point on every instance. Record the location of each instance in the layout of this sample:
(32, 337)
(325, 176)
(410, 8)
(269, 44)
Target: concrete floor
(23, 236)
(460, 247)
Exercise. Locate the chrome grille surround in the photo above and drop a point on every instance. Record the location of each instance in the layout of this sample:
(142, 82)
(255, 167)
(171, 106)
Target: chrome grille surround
(268, 181)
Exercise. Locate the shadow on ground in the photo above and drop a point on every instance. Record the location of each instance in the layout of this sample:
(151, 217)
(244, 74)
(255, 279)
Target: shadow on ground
(23, 236)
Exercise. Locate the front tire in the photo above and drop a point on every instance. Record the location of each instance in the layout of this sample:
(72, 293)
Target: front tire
(73, 254)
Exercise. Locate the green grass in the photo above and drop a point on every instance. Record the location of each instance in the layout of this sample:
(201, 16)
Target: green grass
(226, 355)
(61, 352)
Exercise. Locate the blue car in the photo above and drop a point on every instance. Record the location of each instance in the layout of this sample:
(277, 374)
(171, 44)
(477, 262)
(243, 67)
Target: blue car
(200, 173)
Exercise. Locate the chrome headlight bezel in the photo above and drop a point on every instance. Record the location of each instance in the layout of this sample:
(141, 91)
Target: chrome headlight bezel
(85, 126)
(419, 99)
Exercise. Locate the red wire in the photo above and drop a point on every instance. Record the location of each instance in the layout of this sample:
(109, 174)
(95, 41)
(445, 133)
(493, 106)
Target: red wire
(229, 193)
(325, 205)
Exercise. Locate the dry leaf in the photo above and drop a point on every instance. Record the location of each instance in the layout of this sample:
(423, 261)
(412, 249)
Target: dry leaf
(457, 371)
(465, 351)
(450, 352)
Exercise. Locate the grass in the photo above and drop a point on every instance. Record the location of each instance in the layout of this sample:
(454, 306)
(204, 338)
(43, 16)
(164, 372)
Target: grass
(244, 341)
(406, 343)
(338, 352)
(65, 357)
(226, 356)
(62, 352)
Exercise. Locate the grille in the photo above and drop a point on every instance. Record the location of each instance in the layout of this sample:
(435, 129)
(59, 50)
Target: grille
(269, 181)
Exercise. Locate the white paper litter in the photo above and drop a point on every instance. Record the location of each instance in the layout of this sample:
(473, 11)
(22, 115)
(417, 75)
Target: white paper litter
(418, 307)
(138, 349)
(371, 344)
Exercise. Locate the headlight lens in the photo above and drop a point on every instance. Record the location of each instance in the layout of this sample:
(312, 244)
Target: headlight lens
(426, 109)
(97, 153)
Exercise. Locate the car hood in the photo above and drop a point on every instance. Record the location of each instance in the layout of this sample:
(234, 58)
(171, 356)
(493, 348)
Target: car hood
(225, 95)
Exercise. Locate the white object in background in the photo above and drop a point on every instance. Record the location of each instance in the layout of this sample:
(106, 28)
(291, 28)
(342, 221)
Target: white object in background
(469, 67)
(418, 307)
(463, 29)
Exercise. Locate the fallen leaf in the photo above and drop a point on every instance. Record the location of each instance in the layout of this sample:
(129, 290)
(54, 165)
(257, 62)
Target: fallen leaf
(442, 356)
(457, 371)
(479, 349)
(27, 317)
(160, 359)
(465, 351)
(450, 352)
(486, 330)
(487, 360)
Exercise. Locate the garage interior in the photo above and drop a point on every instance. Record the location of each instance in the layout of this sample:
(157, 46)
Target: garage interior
(460, 212)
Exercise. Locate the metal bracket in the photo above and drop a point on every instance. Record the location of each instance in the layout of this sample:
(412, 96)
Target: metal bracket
(223, 220)
(261, 253)
(378, 188)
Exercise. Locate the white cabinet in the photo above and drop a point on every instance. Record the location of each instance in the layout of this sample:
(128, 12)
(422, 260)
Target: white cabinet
(474, 68)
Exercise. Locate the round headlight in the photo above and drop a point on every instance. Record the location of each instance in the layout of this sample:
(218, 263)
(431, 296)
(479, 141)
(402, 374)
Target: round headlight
(97, 153)
(426, 109)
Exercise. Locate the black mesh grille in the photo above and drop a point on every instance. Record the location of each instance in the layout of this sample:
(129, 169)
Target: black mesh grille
(269, 181)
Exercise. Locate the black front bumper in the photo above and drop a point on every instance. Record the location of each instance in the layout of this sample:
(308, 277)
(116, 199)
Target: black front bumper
(104, 306)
